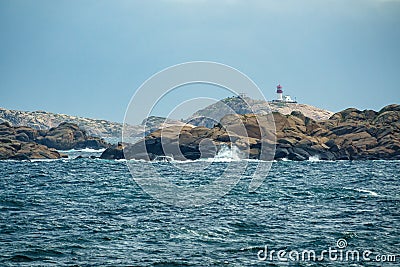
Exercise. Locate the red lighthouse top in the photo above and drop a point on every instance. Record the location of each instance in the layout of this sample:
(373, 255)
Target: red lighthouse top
(279, 89)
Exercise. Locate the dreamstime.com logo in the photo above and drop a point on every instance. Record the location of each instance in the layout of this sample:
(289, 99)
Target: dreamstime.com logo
(181, 76)
(340, 253)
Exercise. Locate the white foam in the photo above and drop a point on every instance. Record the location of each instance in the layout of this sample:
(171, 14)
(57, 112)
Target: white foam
(227, 154)
(89, 150)
(372, 193)
(45, 160)
(314, 158)
(137, 160)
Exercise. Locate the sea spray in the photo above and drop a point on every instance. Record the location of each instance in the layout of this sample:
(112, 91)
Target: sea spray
(227, 153)
(314, 158)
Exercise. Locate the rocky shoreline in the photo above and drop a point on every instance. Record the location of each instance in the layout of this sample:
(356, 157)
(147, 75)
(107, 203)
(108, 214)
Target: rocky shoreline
(347, 135)
(24, 143)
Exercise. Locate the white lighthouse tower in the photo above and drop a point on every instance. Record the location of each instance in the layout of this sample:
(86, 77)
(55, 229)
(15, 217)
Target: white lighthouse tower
(279, 93)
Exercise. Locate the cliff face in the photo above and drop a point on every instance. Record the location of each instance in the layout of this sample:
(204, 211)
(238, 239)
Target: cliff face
(348, 135)
(42, 120)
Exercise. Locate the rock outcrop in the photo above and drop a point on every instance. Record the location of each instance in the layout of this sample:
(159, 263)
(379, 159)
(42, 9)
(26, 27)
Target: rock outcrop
(28, 143)
(42, 120)
(355, 134)
(113, 152)
(17, 143)
(347, 135)
(68, 136)
(211, 114)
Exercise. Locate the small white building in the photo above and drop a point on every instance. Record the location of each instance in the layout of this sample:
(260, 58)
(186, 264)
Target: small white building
(287, 98)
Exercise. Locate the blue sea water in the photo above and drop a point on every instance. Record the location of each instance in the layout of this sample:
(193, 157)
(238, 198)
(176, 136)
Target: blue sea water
(91, 212)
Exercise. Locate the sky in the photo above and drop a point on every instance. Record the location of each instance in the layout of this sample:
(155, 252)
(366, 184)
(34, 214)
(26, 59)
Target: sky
(87, 58)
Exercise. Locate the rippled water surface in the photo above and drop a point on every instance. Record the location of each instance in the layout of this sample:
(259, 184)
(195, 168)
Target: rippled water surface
(87, 212)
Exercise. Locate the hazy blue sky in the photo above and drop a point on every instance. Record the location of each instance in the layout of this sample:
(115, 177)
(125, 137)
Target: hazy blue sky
(87, 58)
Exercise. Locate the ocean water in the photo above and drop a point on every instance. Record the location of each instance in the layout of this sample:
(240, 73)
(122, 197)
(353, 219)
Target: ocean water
(91, 212)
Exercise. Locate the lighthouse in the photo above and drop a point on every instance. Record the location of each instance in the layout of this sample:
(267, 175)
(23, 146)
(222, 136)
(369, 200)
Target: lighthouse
(280, 98)
(279, 93)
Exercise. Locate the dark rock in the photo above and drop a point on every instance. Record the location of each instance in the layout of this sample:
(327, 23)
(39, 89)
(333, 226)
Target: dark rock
(299, 151)
(22, 137)
(190, 152)
(298, 114)
(287, 141)
(223, 138)
(343, 157)
(326, 155)
(5, 140)
(330, 143)
(296, 157)
(19, 157)
(281, 153)
(334, 148)
(115, 152)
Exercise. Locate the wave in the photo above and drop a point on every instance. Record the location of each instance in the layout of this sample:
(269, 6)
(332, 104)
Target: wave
(372, 193)
(225, 154)
(314, 158)
(45, 160)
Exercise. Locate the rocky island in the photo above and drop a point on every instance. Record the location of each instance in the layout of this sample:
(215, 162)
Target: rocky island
(347, 135)
(247, 105)
(350, 134)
